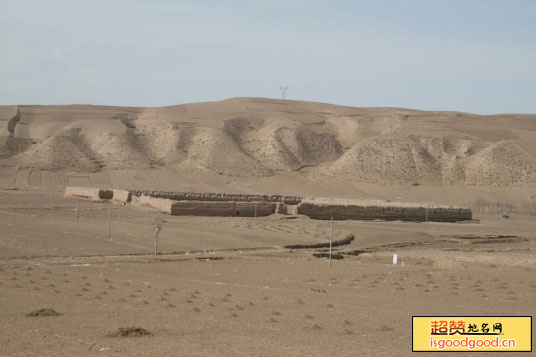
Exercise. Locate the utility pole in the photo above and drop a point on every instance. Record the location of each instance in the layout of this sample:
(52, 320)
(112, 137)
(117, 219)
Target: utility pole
(109, 218)
(331, 240)
(158, 227)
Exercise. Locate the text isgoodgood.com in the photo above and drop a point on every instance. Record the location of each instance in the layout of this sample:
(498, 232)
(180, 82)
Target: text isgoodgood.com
(472, 343)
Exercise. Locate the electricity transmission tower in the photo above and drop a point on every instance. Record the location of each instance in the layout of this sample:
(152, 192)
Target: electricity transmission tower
(283, 92)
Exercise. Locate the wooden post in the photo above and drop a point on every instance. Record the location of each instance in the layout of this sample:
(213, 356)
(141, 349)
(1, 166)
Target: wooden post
(255, 209)
(109, 218)
(330, 241)
(76, 212)
(156, 231)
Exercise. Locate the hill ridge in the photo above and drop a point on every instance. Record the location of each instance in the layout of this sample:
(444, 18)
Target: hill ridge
(260, 137)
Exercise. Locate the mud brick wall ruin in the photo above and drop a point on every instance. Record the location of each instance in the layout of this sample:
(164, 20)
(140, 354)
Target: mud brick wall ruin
(197, 204)
(90, 193)
(161, 204)
(244, 205)
(197, 196)
(318, 208)
(121, 196)
(223, 208)
(206, 204)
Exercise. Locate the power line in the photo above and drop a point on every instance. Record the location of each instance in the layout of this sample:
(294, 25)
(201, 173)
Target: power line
(283, 92)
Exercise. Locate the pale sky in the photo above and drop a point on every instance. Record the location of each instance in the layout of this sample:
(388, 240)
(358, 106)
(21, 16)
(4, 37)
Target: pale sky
(468, 55)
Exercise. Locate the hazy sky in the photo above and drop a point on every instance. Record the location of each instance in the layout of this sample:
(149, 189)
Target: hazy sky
(467, 55)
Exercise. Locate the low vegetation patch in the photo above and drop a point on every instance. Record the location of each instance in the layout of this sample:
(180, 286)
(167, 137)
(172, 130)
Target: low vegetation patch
(43, 312)
(336, 243)
(326, 255)
(131, 332)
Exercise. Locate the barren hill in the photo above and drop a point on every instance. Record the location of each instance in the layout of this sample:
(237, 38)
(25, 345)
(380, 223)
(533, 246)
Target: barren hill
(263, 138)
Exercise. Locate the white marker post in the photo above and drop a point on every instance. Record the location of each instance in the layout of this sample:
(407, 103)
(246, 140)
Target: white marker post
(330, 241)
(395, 259)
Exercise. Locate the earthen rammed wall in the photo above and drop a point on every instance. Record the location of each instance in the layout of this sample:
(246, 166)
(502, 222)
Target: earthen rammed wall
(90, 193)
(226, 197)
(232, 205)
(363, 210)
(122, 196)
(222, 208)
(161, 204)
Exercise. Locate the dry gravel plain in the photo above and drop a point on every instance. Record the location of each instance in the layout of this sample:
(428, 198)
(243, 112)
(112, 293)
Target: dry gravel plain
(228, 286)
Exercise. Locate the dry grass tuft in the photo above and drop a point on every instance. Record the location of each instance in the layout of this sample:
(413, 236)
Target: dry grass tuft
(43, 312)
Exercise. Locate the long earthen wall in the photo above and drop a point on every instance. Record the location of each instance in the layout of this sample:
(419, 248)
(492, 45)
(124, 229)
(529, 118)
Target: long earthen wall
(224, 197)
(231, 205)
(390, 211)
(222, 209)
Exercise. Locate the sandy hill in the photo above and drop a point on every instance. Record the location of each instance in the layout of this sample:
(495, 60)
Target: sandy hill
(261, 138)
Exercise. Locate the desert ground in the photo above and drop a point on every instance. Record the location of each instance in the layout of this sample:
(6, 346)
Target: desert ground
(229, 285)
